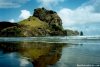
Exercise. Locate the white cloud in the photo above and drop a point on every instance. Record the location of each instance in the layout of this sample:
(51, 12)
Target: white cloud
(49, 3)
(23, 62)
(94, 3)
(24, 14)
(81, 15)
(11, 20)
(11, 3)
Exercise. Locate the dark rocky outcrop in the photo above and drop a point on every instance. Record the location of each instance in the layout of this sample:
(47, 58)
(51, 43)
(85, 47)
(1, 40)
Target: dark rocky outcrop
(71, 32)
(81, 33)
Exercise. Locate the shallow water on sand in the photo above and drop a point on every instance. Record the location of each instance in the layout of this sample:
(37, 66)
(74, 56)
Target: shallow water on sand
(72, 51)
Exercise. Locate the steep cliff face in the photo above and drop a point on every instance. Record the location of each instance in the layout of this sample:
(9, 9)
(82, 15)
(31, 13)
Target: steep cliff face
(43, 23)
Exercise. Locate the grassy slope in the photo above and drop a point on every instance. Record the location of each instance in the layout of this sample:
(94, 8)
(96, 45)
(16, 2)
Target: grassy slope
(33, 22)
(34, 27)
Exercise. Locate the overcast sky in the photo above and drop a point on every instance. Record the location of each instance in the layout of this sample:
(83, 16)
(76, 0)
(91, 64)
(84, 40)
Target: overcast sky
(81, 15)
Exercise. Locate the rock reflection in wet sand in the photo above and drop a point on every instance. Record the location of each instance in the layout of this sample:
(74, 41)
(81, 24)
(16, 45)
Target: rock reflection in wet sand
(39, 54)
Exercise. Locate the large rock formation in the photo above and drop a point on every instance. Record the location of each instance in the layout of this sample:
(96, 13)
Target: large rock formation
(51, 18)
(48, 16)
(42, 23)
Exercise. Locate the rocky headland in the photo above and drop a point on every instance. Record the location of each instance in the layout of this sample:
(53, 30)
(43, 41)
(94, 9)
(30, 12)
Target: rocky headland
(43, 23)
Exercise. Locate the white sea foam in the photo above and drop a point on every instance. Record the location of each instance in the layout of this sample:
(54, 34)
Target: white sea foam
(54, 39)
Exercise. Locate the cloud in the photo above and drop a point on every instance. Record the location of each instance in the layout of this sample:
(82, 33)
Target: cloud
(23, 62)
(11, 20)
(86, 17)
(81, 15)
(49, 3)
(94, 3)
(24, 14)
(12, 3)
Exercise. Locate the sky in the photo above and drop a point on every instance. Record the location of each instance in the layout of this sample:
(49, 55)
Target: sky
(81, 15)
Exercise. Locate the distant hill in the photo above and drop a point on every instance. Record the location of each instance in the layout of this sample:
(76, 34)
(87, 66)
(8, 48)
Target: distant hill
(42, 23)
(5, 24)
